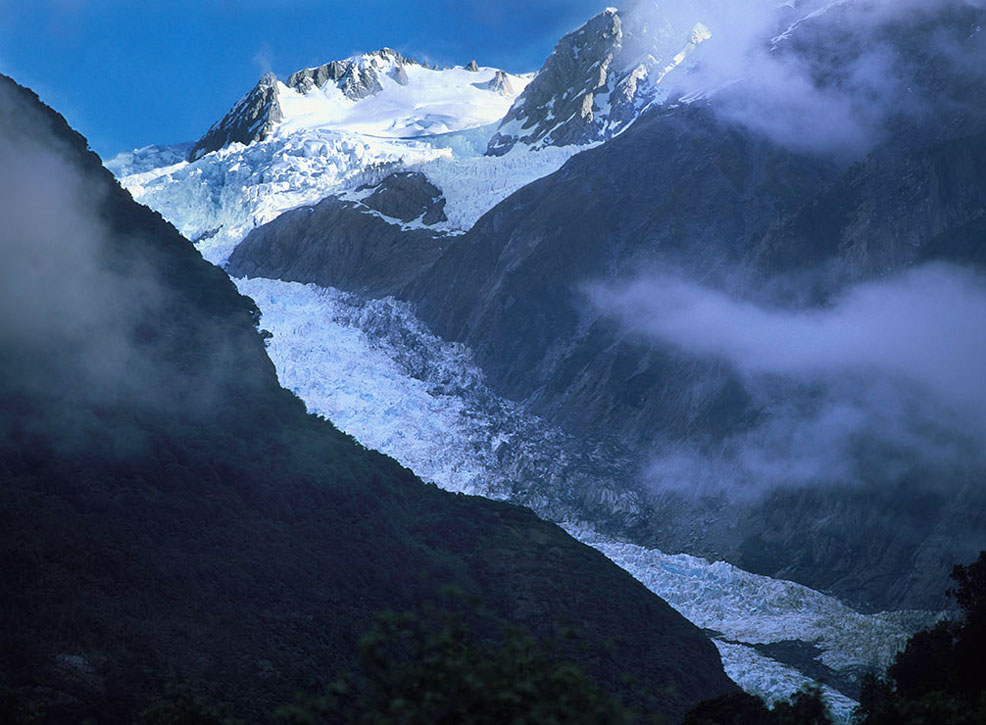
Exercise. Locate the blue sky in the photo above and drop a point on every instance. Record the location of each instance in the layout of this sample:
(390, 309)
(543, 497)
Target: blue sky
(127, 73)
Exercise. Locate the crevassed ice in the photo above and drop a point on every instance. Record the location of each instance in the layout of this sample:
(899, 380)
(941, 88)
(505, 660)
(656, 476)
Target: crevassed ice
(772, 681)
(216, 200)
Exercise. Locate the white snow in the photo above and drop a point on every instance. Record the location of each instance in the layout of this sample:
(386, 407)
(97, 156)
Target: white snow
(771, 680)
(474, 185)
(148, 158)
(236, 188)
(432, 102)
(240, 187)
(438, 124)
(377, 373)
(348, 376)
(805, 18)
(752, 608)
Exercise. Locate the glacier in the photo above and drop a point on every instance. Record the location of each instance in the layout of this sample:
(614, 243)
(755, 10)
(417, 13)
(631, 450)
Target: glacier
(435, 121)
(216, 200)
(378, 374)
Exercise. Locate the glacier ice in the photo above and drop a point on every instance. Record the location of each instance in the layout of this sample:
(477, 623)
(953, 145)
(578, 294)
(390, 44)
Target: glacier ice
(216, 200)
(438, 123)
(377, 373)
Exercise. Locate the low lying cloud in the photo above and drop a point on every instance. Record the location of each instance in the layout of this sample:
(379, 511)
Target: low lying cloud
(893, 369)
(85, 317)
(818, 76)
(925, 326)
(56, 294)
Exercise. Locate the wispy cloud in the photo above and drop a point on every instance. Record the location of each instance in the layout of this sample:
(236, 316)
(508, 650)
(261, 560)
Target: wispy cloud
(264, 58)
(835, 100)
(894, 366)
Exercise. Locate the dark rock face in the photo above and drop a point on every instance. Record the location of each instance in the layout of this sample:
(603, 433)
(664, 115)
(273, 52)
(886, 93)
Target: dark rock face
(339, 244)
(184, 519)
(408, 196)
(595, 82)
(253, 118)
(473, 67)
(887, 213)
(684, 191)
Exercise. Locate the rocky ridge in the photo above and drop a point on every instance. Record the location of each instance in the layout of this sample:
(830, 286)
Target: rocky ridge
(597, 81)
(253, 118)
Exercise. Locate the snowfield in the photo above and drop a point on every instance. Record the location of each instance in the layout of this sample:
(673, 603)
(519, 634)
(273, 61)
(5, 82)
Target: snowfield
(376, 372)
(428, 102)
(437, 122)
(216, 200)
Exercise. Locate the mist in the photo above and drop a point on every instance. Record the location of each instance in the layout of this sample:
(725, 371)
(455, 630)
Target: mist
(58, 299)
(87, 319)
(890, 374)
(769, 66)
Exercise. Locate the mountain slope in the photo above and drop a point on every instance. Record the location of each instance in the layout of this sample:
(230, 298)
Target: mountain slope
(510, 288)
(374, 244)
(706, 193)
(170, 513)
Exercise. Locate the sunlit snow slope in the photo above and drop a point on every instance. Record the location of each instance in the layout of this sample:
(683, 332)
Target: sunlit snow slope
(373, 369)
(396, 115)
(423, 102)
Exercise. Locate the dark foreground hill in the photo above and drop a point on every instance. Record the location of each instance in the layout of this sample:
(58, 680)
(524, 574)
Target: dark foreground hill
(169, 514)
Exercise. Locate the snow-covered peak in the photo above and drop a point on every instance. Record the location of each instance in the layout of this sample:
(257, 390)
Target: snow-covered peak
(401, 100)
(598, 79)
(382, 93)
(253, 118)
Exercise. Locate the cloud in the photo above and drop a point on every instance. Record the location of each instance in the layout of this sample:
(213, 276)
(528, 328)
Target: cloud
(86, 318)
(264, 58)
(53, 291)
(815, 75)
(924, 326)
(890, 372)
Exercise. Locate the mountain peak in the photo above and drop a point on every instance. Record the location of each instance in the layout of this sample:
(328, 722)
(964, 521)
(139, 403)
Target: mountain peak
(253, 118)
(415, 100)
(358, 76)
(500, 84)
(596, 81)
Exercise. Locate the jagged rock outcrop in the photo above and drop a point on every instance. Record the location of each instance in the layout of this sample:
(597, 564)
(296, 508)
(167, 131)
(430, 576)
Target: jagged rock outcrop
(253, 118)
(408, 196)
(500, 84)
(343, 244)
(596, 81)
(357, 77)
